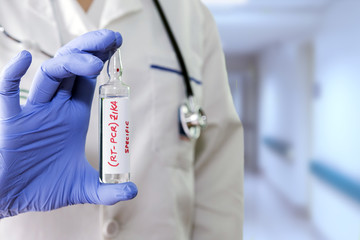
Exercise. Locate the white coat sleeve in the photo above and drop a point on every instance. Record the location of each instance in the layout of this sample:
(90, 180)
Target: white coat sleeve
(219, 151)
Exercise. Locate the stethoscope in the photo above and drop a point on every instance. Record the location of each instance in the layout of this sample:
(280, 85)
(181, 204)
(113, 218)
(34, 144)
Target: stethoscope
(192, 118)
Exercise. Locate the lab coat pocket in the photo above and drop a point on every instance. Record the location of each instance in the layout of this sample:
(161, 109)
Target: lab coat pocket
(168, 93)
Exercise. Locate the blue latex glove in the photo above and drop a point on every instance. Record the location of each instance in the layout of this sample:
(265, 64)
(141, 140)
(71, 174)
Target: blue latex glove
(42, 144)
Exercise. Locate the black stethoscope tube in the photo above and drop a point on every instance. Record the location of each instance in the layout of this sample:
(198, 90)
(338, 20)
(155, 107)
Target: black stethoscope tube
(189, 92)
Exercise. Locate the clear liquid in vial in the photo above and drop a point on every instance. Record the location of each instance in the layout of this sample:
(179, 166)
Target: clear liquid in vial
(107, 176)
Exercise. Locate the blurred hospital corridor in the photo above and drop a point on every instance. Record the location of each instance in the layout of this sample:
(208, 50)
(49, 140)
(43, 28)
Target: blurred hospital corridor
(294, 71)
(268, 216)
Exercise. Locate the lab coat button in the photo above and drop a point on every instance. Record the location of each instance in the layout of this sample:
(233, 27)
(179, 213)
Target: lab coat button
(111, 228)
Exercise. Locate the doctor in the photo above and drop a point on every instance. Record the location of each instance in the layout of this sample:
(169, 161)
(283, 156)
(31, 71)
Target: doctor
(187, 189)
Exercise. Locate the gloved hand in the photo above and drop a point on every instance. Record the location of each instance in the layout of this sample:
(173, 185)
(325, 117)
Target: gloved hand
(42, 144)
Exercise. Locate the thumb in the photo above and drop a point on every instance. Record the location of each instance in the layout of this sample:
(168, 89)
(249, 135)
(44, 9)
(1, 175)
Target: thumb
(106, 194)
(9, 84)
(110, 194)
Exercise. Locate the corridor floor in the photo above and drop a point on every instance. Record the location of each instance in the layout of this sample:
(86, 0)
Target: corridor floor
(267, 216)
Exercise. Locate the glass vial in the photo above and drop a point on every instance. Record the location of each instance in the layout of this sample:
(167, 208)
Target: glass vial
(114, 125)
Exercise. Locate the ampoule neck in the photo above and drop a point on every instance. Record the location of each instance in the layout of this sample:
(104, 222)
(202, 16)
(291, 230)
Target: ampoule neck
(115, 79)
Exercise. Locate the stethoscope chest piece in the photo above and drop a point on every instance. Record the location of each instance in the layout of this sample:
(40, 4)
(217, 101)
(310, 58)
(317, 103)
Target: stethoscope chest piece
(192, 120)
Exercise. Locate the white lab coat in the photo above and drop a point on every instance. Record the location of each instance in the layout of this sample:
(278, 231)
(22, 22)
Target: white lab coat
(187, 190)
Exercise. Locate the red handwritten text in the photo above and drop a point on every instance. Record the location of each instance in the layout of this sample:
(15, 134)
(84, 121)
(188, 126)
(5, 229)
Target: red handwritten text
(127, 138)
(113, 129)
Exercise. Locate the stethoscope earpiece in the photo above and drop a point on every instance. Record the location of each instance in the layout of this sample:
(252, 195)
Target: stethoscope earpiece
(192, 120)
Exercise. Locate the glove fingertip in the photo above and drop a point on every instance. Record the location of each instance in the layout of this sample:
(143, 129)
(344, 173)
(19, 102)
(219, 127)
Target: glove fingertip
(17, 66)
(125, 191)
(110, 194)
(119, 39)
(98, 64)
(132, 190)
(24, 56)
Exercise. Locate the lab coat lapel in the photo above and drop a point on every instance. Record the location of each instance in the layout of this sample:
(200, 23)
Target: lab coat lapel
(76, 20)
(41, 8)
(72, 19)
(115, 9)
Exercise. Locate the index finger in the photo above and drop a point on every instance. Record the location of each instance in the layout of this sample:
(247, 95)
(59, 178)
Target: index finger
(99, 43)
(53, 71)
